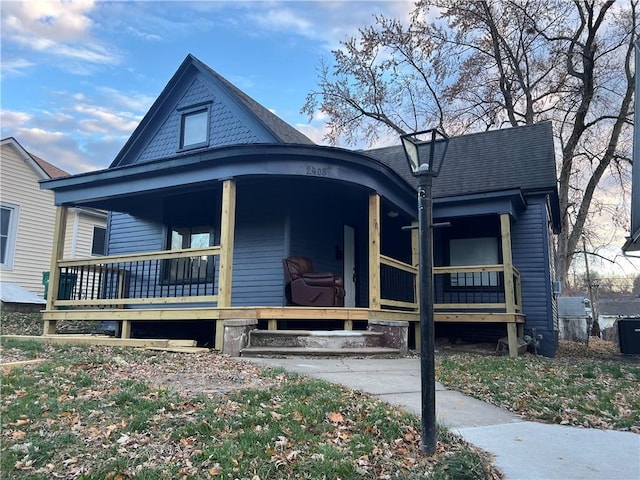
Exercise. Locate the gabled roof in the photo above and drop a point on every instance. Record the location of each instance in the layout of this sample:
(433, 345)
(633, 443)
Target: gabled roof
(51, 170)
(624, 308)
(284, 132)
(519, 157)
(272, 128)
(497, 160)
(42, 168)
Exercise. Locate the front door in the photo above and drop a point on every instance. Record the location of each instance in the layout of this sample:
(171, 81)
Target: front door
(349, 267)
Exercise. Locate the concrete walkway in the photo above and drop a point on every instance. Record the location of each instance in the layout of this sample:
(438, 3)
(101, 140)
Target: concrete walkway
(523, 450)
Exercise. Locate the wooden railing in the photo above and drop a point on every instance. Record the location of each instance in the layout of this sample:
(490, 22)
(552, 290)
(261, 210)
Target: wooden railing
(156, 278)
(459, 288)
(189, 276)
(398, 284)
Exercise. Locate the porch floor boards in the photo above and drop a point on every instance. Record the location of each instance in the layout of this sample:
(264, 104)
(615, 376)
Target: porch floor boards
(272, 313)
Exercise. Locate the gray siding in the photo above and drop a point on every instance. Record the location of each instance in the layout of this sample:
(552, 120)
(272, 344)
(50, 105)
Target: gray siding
(531, 258)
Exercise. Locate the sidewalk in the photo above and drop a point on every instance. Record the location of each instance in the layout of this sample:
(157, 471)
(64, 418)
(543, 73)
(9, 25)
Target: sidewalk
(523, 450)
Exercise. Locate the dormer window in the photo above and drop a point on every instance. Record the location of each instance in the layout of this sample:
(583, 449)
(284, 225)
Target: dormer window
(194, 127)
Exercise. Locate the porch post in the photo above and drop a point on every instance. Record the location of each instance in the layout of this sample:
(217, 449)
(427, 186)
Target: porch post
(374, 251)
(227, 234)
(57, 252)
(509, 298)
(415, 261)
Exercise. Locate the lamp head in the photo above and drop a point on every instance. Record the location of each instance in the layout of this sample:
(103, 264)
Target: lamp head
(425, 151)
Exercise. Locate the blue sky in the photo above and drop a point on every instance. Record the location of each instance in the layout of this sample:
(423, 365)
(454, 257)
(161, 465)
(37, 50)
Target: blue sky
(77, 76)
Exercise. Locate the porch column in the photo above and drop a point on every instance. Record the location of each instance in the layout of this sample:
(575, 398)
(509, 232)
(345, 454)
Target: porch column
(227, 234)
(57, 252)
(415, 261)
(509, 298)
(374, 251)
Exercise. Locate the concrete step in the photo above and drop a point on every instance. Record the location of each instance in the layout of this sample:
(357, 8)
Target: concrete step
(380, 352)
(329, 339)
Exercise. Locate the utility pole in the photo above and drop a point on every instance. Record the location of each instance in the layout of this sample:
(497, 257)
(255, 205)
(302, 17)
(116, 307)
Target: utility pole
(593, 328)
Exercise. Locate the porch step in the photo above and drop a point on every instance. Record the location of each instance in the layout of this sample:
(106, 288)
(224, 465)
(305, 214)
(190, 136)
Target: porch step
(384, 352)
(315, 338)
(264, 343)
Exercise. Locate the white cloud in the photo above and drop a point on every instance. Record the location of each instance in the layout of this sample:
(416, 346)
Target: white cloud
(61, 29)
(15, 66)
(12, 120)
(328, 21)
(134, 101)
(285, 19)
(84, 132)
(315, 132)
(145, 35)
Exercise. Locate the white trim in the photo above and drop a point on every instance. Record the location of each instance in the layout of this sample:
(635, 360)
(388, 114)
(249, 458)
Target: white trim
(26, 156)
(11, 235)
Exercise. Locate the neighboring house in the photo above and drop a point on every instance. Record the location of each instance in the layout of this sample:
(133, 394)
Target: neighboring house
(611, 311)
(212, 191)
(574, 318)
(28, 221)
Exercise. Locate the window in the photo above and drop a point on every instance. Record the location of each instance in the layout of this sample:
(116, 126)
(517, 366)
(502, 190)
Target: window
(474, 251)
(8, 223)
(194, 127)
(189, 269)
(98, 242)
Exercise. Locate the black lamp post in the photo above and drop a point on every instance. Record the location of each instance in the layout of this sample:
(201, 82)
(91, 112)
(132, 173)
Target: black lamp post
(425, 153)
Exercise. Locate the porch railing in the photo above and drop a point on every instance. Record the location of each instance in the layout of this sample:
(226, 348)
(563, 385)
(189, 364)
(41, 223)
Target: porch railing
(189, 276)
(156, 278)
(458, 288)
(398, 284)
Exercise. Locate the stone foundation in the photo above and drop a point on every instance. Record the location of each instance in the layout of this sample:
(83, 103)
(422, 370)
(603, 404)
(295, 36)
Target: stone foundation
(395, 334)
(236, 335)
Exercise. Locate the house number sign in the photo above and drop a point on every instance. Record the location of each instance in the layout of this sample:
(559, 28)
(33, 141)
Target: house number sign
(317, 171)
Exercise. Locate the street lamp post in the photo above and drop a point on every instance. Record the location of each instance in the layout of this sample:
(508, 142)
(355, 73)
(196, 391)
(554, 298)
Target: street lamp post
(425, 153)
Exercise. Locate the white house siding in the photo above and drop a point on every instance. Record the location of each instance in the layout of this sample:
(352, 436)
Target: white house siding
(78, 242)
(36, 220)
(79, 233)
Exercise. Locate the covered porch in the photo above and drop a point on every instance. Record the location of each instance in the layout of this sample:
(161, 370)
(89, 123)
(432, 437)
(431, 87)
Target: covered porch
(151, 286)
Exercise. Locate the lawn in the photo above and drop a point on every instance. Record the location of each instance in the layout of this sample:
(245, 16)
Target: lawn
(99, 412)
(120, 413)
(593, 387)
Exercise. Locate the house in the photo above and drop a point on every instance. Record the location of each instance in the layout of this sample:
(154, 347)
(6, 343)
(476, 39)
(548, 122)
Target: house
(610, 312)
(212, 191)
(28, 221)
(574, 318)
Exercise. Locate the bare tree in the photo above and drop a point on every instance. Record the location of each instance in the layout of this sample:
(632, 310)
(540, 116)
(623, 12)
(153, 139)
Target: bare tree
(472, 66)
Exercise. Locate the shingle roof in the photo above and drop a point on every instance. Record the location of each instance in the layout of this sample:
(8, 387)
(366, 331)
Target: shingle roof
(47, 168)
(281, 129)
(625, 308)
(51, 170)
(519, 157)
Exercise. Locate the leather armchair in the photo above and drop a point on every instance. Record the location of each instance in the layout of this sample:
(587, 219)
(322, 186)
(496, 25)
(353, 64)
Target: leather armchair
(305, 287)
